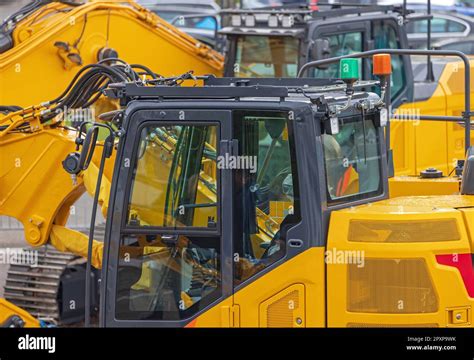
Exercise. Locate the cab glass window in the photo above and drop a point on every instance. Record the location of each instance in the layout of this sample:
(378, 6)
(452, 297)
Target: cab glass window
(266, 56)
(167, 277)
(339, 45)
(175, 181)
(267, 196)
(385, 37)
(173, 270)
(352, 161)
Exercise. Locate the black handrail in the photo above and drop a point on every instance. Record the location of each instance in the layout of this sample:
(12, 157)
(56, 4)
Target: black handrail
(466, 116)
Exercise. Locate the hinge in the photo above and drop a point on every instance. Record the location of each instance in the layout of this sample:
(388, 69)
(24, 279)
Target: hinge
(230, 316)
(235, 316)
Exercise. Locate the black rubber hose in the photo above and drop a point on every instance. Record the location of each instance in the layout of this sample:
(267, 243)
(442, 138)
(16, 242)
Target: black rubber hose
(82, 70)
(23, 11)
(79, 87)
(97, 96)
(9, 108)
(88, 89)
(146, 69)
(76, 90)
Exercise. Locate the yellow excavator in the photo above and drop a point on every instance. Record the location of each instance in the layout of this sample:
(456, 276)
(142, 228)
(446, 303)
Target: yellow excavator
(244, 203)
(44, 46)
(279, 41)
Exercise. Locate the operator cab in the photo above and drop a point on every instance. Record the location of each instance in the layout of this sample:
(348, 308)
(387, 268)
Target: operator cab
(216, 186)
(276, 42)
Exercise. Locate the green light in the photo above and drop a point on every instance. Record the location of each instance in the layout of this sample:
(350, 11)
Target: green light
(349, 69)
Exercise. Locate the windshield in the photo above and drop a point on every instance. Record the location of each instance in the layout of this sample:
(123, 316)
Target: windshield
(266, 56)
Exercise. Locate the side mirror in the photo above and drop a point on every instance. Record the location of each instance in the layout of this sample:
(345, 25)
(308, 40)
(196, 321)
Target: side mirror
(89, 146)
(76, 162)
(320, 50)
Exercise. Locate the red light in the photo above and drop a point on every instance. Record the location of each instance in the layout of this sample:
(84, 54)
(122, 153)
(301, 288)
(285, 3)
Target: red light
(462, 262)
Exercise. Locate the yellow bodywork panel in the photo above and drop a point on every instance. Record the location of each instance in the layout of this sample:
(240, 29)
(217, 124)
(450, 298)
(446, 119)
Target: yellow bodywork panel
(37, 191)
(393, 277)
(138, 35)
(418, 145)
(421, 202)
(415, 185)
(34, 186)
(68, 240)
(222, 315)
(468, 214)
(292, 294)
(7, 309)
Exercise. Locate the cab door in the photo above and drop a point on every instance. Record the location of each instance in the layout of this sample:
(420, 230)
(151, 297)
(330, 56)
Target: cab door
(344, 39)
(166, 259)
(278, 277)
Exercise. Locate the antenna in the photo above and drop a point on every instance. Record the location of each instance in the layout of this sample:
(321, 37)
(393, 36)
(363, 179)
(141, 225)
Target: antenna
(429, 65)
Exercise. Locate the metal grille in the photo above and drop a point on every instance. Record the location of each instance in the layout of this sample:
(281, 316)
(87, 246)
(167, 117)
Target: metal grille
(391, 286)
(404, 231)
(280, 313)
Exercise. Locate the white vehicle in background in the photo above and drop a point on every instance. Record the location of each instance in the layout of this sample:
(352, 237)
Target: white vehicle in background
(198, 18)
(465, 7)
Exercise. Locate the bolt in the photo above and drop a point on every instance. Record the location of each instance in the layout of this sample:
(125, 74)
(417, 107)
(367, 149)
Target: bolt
(458, 316)
(299, 321)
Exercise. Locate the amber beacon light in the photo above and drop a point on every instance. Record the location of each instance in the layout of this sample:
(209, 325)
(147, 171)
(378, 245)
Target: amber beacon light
(382, 65)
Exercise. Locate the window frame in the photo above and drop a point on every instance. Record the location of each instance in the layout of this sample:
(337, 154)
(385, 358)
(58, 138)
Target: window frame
(127, 229)
(360, 196)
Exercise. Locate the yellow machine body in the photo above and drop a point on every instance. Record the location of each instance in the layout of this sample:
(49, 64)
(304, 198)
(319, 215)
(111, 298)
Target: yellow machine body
(419, 144)
(135, 33)
(316, 288)
(35, 189)
(379, 269)
(7, 310)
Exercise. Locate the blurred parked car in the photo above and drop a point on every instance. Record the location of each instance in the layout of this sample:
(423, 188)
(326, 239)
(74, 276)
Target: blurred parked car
(254, 4)
(198, 18)
(465, 45)
(443, 26)
(464, 7)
